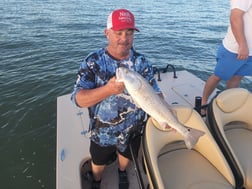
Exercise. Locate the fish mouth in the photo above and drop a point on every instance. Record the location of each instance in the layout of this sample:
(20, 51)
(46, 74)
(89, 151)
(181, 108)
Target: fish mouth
(123, 74)
(119, 74)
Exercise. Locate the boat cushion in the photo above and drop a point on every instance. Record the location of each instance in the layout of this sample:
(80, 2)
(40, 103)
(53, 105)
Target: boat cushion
(170, 164)
(229, 102)
(189, 169)
(241, 141)
(231, 112)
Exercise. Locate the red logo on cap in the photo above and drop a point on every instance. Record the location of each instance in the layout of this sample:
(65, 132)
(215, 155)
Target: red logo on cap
(125, 17)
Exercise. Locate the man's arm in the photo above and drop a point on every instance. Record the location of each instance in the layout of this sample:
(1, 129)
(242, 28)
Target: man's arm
(90, 97)
(237, 25)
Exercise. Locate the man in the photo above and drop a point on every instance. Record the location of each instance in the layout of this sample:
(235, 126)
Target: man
(234, 56)
(113, 115)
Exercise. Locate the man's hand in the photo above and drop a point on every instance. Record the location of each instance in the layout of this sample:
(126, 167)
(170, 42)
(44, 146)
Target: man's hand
(115, 86)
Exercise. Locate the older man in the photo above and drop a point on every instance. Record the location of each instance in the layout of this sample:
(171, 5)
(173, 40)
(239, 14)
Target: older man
(113, 115)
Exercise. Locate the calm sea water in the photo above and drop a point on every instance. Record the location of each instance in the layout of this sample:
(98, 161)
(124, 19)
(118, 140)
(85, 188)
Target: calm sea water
(42, 43)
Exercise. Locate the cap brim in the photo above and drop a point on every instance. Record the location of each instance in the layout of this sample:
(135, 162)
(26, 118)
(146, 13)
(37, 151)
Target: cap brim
(137, 29)
(123, 28)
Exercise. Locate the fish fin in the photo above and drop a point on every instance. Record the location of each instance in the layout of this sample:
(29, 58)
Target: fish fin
(167, 127)
(162, 125)
(192, 138)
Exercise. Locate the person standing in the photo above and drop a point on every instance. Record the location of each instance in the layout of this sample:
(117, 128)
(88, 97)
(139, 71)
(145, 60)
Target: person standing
(234, 56)
(114, 117)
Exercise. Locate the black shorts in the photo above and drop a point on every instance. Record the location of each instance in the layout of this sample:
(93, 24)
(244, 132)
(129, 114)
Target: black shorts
(103, 155)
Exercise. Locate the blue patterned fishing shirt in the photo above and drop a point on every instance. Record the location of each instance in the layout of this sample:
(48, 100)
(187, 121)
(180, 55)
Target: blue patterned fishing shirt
(114, 118)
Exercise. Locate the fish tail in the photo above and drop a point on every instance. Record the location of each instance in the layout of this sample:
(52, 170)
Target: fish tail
(192, 137)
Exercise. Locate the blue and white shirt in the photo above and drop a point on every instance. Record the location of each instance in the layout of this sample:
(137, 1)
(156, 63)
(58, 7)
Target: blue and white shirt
(112, 119)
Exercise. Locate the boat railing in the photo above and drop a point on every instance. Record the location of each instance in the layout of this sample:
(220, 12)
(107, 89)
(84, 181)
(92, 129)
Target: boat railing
(158, 70)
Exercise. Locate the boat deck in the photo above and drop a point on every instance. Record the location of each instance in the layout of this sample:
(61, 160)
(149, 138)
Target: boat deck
(72, 122)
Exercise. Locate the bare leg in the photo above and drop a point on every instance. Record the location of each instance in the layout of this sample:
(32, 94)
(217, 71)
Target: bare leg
(97, 171)
(123, 162)
(234, 82)
(210, 85)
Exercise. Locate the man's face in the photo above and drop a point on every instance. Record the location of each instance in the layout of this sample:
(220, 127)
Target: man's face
(120, 42)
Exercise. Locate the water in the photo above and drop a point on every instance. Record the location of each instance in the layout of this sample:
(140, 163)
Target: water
(42, 43)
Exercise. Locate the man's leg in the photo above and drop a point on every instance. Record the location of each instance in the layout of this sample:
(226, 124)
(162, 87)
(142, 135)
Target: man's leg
(210, 85)
(234, 82)
(100, 157)
(123, 162)
(97, 171)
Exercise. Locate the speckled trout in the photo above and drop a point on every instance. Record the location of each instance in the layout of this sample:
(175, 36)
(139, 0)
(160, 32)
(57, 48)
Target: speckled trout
(155, 106)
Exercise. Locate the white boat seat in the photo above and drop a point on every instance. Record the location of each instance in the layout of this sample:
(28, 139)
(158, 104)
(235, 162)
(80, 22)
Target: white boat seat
(170, 165)
(229, 116)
